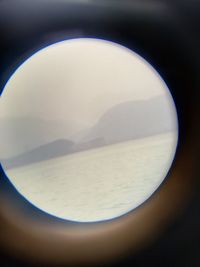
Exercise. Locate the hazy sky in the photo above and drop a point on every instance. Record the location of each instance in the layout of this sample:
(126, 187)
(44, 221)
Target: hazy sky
(78, 81)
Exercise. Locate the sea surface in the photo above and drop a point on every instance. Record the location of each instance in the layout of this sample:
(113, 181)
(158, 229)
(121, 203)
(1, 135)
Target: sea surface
(97, 184)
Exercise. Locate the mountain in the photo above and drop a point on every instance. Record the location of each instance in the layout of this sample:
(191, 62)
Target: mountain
(21, 134)
(134, 119)
(94, 143)
(51, 150)
(28, 140)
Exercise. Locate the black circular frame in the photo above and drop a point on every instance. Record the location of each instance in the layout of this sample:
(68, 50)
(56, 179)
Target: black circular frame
(160, 33)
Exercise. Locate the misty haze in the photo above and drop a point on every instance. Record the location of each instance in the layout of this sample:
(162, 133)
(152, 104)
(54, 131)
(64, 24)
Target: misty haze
(88, 130)
(41, 140)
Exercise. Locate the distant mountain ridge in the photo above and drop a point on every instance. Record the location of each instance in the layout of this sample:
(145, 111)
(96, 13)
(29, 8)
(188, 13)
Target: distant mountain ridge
(44, 152)
(19, 135)
(134, 119)
(126, 121)
(51, 150)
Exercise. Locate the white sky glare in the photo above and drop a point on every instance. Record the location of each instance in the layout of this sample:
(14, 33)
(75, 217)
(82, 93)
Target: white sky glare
(78, 80)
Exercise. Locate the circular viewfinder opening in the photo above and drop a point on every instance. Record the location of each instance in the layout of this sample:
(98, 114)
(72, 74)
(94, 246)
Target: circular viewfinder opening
(88, 130)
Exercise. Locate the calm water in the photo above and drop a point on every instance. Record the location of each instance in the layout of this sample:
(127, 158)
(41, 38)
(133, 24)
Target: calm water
(98, 184)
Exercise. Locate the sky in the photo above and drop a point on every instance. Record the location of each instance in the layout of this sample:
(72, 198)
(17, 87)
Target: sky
(78, 81)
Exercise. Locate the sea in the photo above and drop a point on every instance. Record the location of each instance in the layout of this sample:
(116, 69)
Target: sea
(97, 184)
